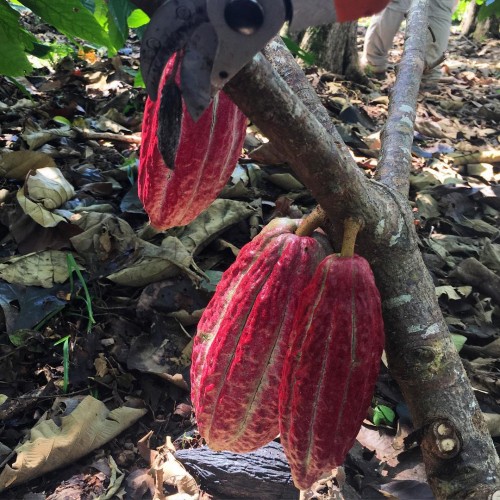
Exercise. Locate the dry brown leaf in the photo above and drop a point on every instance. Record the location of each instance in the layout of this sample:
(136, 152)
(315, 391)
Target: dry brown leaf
(167, 469)
(17, 164)
(51, 446)
(38, 269)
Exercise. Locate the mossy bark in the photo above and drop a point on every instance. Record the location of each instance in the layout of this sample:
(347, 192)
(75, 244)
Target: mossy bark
(334, 46)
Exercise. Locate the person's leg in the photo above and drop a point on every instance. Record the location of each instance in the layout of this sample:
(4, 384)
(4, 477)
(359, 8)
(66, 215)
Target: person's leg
(440, 12)
(380, 34)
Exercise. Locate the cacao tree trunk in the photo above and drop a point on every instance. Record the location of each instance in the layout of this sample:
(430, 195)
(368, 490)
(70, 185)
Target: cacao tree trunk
(335, 48)
(478, 30)
(468, 24)
(486, 28)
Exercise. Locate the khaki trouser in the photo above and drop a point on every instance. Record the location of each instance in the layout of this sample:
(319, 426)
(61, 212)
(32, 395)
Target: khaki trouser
(384, 26)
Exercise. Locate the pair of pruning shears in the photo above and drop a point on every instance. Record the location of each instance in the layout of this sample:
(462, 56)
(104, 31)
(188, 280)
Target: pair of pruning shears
(216, 38)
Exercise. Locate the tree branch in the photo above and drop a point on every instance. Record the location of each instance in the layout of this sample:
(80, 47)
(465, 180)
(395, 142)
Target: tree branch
(421, 354)
(397, 135)
(313, 152)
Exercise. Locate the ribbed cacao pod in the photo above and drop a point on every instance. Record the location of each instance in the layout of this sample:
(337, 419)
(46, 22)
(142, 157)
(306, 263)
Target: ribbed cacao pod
(330, 373)
(206, 154)
(243, 336)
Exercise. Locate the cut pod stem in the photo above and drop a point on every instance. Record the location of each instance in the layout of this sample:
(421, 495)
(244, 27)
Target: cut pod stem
(352, 227)
(311, 222)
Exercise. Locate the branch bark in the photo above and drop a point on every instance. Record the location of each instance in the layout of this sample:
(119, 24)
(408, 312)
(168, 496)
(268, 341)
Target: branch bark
(458, 452)
(397, 135)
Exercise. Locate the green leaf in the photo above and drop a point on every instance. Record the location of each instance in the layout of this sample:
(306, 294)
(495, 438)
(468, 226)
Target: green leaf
(460, 10)
(137, 19)
(13, 40)
(119, 11)
(40, 50)
(101, 13)
(89, 5)
(383, 415)
(65, 342)
(62, 120)
(458, 340)
(71, 18)
(489, 9)
(21, 337)
(139, 80)
(73, 267)
(296, 50)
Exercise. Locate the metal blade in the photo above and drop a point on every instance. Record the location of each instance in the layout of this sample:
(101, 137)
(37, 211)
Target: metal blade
(168, 32)
(236, 48)
(169, 122)
(196, 69)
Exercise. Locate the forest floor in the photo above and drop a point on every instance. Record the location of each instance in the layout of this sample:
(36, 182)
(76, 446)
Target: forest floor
(96, 368)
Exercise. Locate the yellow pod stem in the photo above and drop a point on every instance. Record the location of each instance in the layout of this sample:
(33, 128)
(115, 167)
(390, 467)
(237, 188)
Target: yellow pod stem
(314, 220)
(352, 227)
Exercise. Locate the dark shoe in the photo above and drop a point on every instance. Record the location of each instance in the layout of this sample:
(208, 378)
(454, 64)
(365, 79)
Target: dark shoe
(373, 72)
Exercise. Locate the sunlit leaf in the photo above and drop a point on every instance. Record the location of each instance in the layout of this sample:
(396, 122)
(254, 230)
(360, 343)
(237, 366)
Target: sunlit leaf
(14, 41)
(71, 18)
(139, 81)
(62, 120)
(137, 19)
(458, 340)
(296, 50)
(383, 415)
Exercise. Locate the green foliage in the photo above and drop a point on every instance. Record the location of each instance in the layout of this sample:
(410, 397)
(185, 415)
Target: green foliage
(139, 80)
(21, 338)
(295, 49)
(137, 19)
(488, 8)
(383, 415)
(99, 23)
(118, 13)
(460, 10)
(62, 120)
(14, 41)
(112, 15)
(73, 268)
(65, 342)
(458, 340)
(70, 18)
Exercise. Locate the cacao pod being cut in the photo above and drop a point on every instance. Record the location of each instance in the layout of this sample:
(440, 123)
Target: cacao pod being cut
(205, 154)
(243, 337)
(330, 374)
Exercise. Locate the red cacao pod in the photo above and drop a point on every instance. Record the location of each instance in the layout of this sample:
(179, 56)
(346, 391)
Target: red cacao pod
(330, 373)
(206, 155)
(243, 336)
